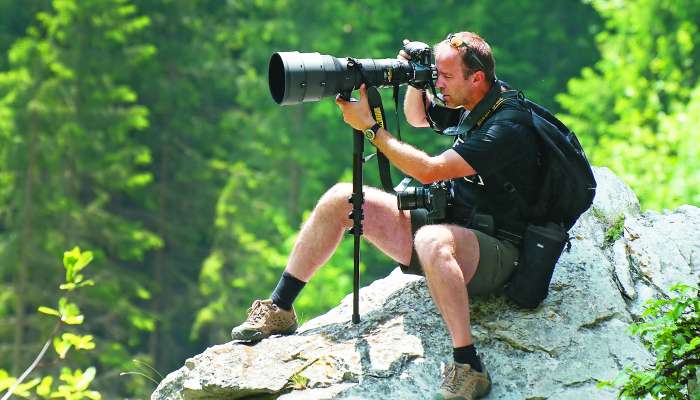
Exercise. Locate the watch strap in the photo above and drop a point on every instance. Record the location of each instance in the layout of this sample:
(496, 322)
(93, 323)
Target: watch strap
(374, 129)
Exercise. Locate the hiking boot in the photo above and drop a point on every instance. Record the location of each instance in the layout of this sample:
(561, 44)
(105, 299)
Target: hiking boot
(461, 382)
(265, 319)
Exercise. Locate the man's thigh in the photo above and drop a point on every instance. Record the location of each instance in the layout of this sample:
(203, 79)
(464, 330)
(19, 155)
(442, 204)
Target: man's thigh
(485, 272)
(387, 227)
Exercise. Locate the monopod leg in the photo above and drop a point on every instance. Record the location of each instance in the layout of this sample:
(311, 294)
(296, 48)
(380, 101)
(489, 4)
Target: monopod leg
(357, 215)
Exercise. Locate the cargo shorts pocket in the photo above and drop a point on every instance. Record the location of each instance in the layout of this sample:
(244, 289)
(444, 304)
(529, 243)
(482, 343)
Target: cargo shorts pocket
(497, 259)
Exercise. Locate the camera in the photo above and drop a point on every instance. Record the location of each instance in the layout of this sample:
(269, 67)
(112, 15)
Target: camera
(434, 197)
(296, 77)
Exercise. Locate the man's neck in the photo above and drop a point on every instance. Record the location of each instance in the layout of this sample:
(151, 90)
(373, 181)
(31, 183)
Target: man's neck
(481, 93)
(482, 107)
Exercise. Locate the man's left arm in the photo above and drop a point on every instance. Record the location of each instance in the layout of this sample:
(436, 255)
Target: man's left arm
(411, 161)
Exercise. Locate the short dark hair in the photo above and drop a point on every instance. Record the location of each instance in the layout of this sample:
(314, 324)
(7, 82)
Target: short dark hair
(476, 53)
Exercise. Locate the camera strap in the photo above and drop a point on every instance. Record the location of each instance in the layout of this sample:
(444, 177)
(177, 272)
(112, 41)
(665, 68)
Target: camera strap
(377, 109)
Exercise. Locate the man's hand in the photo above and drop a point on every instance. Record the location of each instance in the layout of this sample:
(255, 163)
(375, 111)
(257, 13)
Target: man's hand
(356, 113)
(414, 109)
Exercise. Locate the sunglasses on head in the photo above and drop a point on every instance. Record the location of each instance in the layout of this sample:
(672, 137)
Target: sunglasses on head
(457, 42)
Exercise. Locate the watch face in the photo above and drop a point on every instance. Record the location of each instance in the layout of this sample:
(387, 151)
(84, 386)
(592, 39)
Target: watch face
(369, 134)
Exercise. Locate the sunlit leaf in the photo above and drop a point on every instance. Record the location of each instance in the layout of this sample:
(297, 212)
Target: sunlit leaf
(49, 311)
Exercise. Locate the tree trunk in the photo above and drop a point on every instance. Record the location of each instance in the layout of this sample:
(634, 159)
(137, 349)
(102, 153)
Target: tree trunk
(24, 250)
(160, 260)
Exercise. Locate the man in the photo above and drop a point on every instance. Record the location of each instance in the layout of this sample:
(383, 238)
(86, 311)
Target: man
(456, 260)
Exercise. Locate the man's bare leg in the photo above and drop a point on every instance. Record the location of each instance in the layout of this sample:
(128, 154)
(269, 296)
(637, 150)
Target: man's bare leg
(384, 225)
(449, 255)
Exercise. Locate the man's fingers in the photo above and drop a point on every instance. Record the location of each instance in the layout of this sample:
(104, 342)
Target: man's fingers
(406, 41)
(339, 100)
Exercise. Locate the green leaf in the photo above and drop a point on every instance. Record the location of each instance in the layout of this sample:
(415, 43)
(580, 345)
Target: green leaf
(70, 258)
(44, 388)
(49, 311)
(92, 395)
(694, 343)
(23, 390)
(67, 286)
(85, 343)
(74, 261)
(85, 379)
(83, 260)
(6, 380)
(73, 320)
(61, 346)
(78, 341)
(86, 283)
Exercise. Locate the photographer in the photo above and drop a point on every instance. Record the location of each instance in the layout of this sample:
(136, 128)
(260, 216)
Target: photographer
(474, 249)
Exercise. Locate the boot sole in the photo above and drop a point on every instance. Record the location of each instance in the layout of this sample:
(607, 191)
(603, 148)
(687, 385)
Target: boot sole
(258, 336)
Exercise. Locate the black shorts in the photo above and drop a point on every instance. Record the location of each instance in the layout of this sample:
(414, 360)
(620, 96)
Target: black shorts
(497, 259)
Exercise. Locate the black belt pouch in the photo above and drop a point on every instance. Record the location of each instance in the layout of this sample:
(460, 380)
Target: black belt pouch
(539, 252)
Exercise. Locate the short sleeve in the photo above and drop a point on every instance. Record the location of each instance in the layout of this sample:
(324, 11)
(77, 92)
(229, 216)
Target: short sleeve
(443, 117)
(490, 148)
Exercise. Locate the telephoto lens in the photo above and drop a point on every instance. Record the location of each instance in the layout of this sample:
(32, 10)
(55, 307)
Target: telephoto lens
(296, 77)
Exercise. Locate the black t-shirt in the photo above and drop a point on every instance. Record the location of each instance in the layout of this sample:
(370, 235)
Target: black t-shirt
(500, 151)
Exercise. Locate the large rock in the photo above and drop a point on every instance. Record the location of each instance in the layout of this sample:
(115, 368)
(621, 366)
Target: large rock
(558, 351)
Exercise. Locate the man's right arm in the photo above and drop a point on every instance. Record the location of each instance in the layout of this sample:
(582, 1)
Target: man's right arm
(415, 109)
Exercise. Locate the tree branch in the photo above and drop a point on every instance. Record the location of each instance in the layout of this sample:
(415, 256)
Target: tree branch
(34, 364)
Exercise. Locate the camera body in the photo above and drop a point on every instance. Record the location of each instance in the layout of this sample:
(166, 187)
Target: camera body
(434, 197)
(438, 198)
(423, 63)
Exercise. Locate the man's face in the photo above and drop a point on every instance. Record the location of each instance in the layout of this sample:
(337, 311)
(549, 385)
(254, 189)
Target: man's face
(456, 89)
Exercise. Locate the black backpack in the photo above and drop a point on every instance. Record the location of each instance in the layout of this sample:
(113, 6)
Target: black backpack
(567, 191)
(567, 185)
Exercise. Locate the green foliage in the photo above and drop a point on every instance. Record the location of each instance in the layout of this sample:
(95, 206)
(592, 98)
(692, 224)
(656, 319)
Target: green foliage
(636, 110)
(615, 230)
(298, 382)
(614, 227)
(75, 382)
(76, 385)
(144, 130)
(671, 330)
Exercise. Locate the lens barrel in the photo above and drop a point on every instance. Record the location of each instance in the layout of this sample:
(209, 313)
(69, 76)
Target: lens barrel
(414, 197)
(296, 77)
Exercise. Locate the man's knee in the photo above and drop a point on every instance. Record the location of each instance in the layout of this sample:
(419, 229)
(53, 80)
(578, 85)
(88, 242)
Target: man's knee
(335, 196)
(335, 201)
(436, 244)
(432, 243)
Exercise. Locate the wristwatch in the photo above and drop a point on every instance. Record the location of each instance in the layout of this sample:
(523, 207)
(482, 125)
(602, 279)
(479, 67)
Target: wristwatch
(371, 132)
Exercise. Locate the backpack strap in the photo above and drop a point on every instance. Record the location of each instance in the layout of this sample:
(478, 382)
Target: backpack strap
(536, 211)
(519, 200)
(513, 115)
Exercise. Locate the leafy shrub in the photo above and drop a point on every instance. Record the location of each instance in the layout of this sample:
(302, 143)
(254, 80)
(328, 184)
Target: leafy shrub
(74, 383)
(671, 330)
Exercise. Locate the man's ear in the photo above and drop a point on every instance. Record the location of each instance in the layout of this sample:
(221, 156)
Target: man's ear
(478, 76)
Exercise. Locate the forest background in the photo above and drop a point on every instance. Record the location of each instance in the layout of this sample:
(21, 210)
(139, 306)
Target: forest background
(143, 130)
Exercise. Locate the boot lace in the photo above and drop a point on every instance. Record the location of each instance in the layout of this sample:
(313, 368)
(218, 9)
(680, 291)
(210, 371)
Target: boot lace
(457, 381)
(258, 311)
(449, 382)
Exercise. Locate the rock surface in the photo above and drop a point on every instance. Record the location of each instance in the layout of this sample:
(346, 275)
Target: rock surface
(558, 351)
